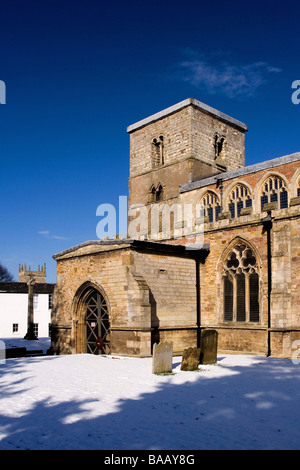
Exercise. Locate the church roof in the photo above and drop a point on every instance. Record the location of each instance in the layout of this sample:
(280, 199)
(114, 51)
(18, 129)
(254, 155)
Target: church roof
(183, 104)
(268, 164)
(90, 247)
(22, 288)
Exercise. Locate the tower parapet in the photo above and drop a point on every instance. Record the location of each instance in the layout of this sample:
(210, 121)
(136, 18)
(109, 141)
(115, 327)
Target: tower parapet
(26, 274)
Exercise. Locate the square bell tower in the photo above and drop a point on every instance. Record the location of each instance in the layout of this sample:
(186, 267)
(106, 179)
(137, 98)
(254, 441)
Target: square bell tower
(181, 144)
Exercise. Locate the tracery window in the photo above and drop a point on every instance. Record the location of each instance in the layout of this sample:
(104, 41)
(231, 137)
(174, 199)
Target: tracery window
(211, 206)
(158, 158)
(274, 190)
(241, 286)
(239, 198)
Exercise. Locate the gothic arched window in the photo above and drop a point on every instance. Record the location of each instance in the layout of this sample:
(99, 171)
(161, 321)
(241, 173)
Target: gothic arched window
(158, 158)
(156, 193)
(219, 145)
(210, 206)
(274, 190)
(239, 198)
(240, 285)
(159, 193)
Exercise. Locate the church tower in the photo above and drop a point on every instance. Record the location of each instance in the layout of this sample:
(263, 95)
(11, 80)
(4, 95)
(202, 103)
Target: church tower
(26, 274)
(181, 144)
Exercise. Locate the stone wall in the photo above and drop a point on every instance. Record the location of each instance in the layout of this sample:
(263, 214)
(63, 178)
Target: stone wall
(148, 296)
(188, 151)
(151, 297)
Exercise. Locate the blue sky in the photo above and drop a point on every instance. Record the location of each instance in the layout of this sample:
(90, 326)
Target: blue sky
(77, 73)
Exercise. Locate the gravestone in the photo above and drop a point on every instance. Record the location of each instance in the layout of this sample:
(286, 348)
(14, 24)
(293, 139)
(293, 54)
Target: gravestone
(209, 347)
(162, 357)
(190, 359)
(2, 352)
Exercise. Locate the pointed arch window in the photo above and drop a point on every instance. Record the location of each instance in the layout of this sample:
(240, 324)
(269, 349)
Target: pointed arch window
(211, 206)
(241, 286)
(219, 145)
(239, 198)
(156, 194)
(159, 193)
(158, 157)
(274, 190)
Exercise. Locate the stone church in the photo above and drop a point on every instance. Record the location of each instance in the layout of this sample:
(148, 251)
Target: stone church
(211, 244)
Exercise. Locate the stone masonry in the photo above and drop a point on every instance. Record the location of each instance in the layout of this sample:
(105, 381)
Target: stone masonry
(233, 268)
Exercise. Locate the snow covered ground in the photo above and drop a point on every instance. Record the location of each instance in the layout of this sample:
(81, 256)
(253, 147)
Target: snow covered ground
(114, 403)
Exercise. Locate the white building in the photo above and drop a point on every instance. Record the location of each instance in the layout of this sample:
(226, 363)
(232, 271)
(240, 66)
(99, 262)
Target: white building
(14, 309)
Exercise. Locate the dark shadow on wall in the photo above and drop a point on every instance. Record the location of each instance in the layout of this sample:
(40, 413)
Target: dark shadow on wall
(155, 335)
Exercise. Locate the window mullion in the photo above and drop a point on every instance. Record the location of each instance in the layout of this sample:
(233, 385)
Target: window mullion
(234, 299)
(247, 297)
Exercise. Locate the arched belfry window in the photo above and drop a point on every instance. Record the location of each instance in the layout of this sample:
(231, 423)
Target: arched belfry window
(211, 206)
(274, 190)
(241, 285)
(219, 145)
(159, 193)
(158, 158)
(156, 194)
(239, 198)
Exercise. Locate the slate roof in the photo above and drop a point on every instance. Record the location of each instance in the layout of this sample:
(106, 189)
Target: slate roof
(268, 164)
(22, 288)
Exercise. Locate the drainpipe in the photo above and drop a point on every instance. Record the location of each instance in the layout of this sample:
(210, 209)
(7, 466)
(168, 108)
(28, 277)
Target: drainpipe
(199, 256)
(198, 302)
(267, 227)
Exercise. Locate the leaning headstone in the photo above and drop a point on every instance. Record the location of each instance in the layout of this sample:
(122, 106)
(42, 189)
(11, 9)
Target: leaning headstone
(190, 359)
(162, 357)
(209, 347)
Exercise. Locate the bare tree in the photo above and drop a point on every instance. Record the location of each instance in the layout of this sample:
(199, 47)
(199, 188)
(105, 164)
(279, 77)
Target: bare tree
(5, 275)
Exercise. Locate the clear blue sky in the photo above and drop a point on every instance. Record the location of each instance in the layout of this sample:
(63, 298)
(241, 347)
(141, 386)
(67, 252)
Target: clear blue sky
(77, 73)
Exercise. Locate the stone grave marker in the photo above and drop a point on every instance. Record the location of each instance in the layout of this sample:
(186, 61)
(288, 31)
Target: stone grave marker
(2, 352)
(209, 347)
(162, 357)
(190, 359)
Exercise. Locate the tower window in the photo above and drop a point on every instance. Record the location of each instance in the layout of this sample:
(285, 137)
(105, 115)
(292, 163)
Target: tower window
(156, 194)
(219, 144)
(159, 193)
(158, 151)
